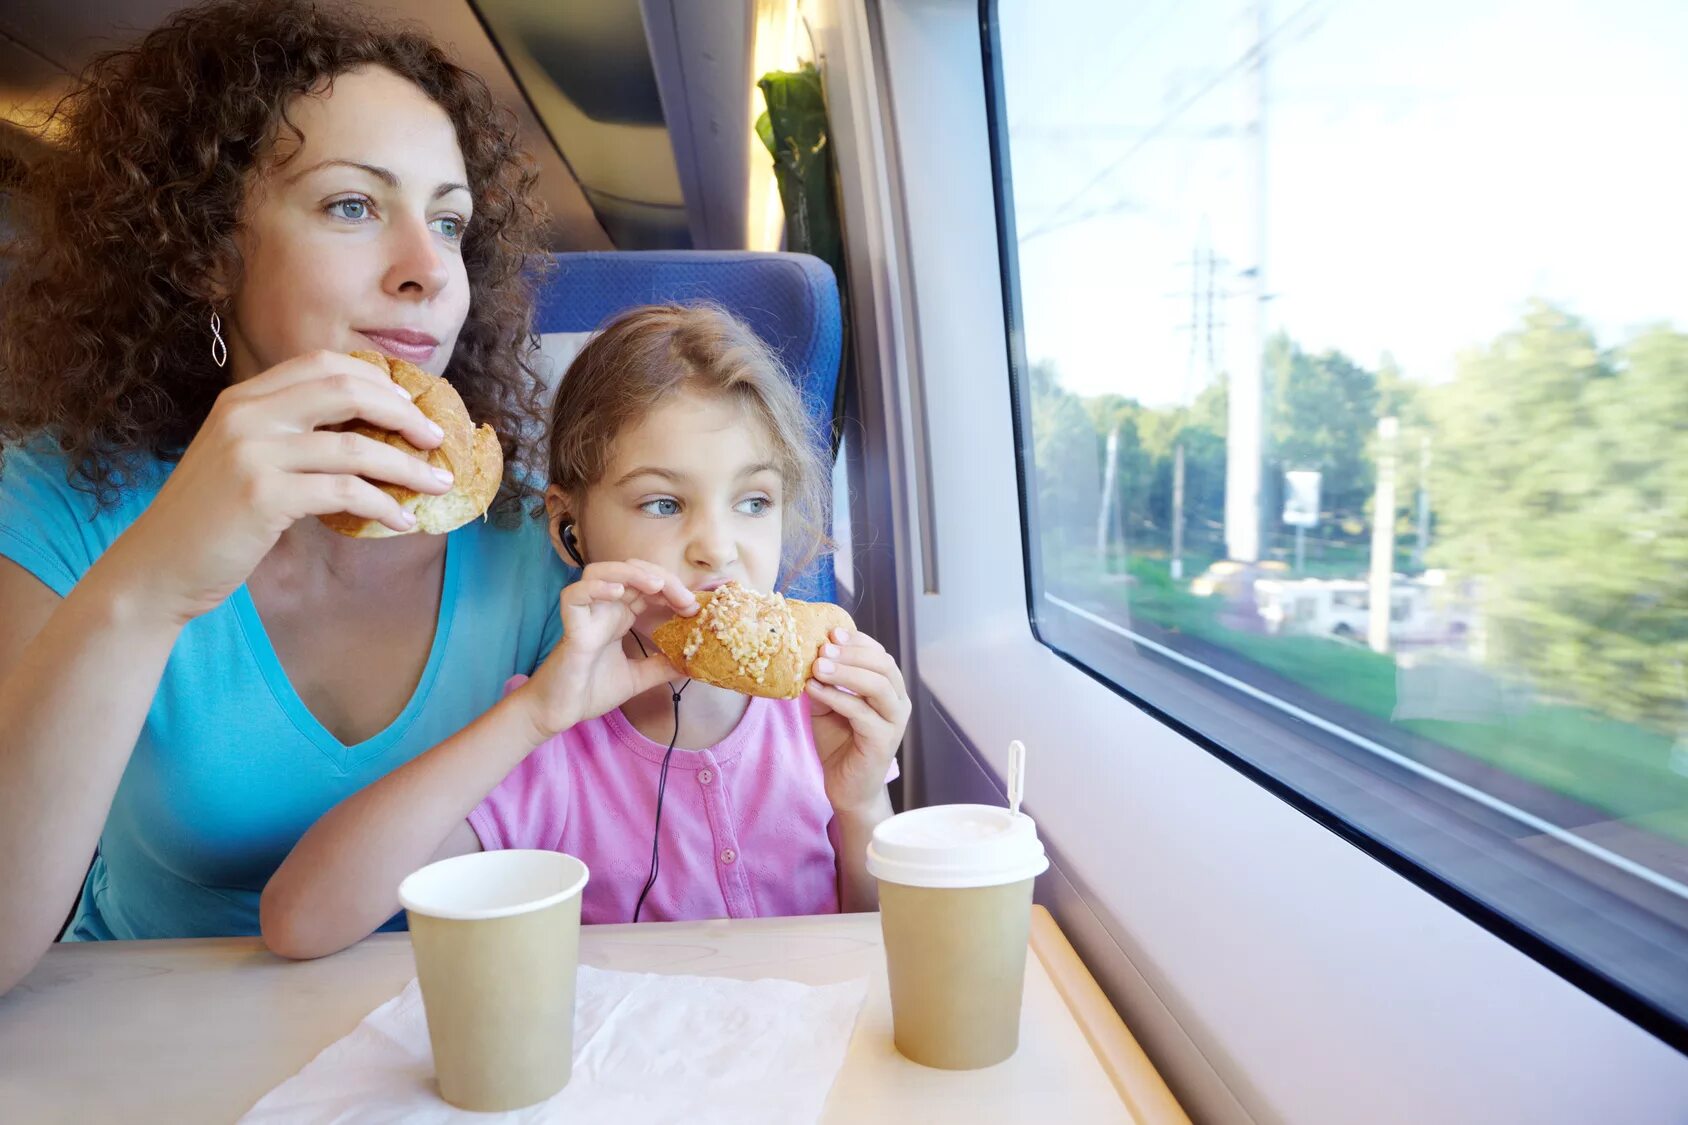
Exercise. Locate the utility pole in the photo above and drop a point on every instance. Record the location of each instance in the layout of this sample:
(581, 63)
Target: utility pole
(1245, 420)
(1383, 538)
(1212, 284)
(1104, 522)
(1195, 320)
(1206, 320)
(1204, 325)
(1178, 511)
(1421, 540)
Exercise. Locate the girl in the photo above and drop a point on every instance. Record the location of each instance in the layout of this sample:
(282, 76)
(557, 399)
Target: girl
(678, 446)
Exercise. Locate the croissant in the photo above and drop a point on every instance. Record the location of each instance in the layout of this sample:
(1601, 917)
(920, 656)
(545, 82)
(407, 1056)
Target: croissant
(758, 644)
(472, 455)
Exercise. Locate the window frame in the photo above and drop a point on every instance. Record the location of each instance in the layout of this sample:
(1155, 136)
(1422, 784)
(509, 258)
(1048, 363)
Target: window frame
(1252, 952)
(1627, 1002)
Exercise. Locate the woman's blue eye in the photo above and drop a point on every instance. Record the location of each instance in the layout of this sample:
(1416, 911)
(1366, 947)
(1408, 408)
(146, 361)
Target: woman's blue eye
(353, 210)
(450, 226)
(663, 506)
(757, 505)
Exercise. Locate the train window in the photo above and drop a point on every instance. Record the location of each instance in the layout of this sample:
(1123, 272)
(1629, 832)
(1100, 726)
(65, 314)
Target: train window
(1351, 373)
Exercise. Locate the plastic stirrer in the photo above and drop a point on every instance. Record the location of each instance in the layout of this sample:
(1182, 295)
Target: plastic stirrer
(1016, 775)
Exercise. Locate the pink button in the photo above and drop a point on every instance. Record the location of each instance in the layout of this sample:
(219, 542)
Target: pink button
(704, 777)
(728, 855)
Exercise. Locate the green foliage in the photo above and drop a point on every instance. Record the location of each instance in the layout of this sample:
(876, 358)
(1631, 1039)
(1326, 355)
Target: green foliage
(1068, 457)
(1572, 750)
(795, 132)
(1561, 479)
(1322, 415)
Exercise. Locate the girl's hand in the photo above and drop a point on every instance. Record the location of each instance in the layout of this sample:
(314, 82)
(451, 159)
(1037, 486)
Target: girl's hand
(860, 708)
(260, 463)
(589, 673)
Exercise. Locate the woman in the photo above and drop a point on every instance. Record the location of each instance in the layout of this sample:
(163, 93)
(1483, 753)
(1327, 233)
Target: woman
(193, 668)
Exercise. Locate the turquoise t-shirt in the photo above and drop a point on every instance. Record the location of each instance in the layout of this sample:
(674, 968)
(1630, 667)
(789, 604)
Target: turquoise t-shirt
(231, 768)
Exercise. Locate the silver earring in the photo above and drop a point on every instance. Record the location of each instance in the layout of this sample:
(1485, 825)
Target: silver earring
(219, 350)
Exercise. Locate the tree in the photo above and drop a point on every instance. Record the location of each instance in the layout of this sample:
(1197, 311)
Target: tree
(1323, 412)
(1561, 481)
(1133, 468)
(1200, 430)
(1067, 461)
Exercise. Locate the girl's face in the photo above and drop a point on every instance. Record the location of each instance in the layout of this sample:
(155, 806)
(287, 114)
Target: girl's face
(353, 240)
(694, 488)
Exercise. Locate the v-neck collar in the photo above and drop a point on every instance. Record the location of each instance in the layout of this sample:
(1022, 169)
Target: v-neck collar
(287, 697)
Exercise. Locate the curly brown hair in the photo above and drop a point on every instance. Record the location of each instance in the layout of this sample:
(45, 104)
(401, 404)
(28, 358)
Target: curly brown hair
(128, 222)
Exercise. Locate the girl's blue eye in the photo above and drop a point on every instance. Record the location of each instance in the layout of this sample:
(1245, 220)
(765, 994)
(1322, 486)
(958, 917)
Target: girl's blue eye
(450, 226)
(662, 506)
(757, 505)
(353, 210)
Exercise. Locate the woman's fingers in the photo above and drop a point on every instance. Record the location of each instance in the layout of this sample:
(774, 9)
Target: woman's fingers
(310, 366)
(327, 451)
(341, 397)
(323, 494)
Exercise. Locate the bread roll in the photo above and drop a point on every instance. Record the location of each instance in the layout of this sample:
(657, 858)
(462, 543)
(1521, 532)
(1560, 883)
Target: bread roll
(471, 455)
(758, 644)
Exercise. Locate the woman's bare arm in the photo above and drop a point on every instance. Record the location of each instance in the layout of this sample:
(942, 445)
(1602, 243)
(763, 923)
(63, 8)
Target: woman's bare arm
(77, 677)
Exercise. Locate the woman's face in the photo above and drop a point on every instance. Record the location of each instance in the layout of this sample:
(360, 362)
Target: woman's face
(353, 238)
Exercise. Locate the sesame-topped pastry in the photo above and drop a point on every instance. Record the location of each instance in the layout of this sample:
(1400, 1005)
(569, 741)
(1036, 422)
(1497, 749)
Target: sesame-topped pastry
(758, 644)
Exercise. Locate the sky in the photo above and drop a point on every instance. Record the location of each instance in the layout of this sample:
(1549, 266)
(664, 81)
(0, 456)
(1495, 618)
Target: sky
(1429, 168)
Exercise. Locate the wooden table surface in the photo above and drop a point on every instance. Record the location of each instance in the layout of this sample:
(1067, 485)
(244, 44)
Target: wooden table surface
(198, 1031)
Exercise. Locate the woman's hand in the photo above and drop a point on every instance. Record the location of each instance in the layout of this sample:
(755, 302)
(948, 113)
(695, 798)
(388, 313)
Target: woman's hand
(860, 708)
(589, 672)
(261, 462)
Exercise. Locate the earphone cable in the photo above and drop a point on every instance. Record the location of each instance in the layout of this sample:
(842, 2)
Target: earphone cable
(661, 788)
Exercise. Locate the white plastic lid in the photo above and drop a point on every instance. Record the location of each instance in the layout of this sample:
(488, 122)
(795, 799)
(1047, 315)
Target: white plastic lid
(956, 846)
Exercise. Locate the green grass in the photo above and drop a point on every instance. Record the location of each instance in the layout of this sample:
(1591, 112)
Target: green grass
(1619, 767)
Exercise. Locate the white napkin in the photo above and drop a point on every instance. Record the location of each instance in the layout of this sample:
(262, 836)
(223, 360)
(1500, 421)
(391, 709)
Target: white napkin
(647, 1048)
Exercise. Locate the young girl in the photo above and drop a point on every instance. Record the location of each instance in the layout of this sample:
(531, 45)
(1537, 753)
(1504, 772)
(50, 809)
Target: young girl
(680, 459)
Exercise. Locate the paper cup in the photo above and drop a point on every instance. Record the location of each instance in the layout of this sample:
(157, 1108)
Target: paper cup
(955, 898)
(497, 941)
